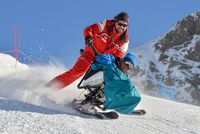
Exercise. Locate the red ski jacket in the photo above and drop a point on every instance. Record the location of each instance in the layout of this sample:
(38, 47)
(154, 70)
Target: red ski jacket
(104, 39)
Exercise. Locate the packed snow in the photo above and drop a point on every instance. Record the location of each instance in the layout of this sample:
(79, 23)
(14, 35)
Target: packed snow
(26, 106)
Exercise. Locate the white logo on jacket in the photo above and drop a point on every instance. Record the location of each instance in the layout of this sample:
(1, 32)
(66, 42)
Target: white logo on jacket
(104, 37)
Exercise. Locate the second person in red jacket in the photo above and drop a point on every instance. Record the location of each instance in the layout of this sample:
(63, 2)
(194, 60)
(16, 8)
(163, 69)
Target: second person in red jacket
(105, 37)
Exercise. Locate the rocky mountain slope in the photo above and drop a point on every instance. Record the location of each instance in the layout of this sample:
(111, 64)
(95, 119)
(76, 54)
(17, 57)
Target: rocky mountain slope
(169, 66)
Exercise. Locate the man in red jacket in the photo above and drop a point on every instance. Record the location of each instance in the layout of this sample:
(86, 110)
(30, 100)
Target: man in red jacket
(105, 37)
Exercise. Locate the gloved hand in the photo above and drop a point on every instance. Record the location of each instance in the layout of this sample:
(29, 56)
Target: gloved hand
(81, 51)
(117, 60)
(88, 40)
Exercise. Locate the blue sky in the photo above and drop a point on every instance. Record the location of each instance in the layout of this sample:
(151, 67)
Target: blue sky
(54, 28)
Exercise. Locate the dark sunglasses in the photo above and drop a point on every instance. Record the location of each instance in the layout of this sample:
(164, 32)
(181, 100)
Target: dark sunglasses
(121, 24)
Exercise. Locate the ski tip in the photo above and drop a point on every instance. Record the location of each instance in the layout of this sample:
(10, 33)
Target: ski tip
(143, 111)
(100, 116)
(138, 112)
(110, 115)
(114, 115)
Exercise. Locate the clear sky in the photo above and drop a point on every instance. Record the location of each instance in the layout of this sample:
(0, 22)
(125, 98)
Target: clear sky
(54, 28)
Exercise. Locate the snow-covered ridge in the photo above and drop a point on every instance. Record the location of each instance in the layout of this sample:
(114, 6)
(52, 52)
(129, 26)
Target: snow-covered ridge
(8, 64)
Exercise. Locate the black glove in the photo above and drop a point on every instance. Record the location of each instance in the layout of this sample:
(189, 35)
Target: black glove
(88, 40)
(117, 60)
(81, 51)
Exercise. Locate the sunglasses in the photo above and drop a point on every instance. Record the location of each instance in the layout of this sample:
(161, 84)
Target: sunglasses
(121, 24)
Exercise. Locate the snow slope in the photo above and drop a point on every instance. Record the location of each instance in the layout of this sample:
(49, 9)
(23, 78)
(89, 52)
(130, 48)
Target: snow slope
(28, 107)
(9, 64)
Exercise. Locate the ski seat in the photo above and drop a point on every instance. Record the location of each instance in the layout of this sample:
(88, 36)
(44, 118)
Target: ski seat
(93, 83)
(92, 79)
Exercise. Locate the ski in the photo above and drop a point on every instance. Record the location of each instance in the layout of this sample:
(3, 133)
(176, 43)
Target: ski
(97, 115)
(100, 115)
(138, 112)
(110, 114)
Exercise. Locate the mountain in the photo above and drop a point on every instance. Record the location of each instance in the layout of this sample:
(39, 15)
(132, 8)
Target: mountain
(169, 66)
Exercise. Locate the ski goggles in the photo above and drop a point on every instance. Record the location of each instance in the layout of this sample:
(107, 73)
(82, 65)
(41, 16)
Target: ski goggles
(131, 66)
(121, 24)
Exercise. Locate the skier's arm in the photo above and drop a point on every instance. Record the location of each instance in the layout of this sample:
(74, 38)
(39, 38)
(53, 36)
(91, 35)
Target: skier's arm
(91, 30)
(118, 51)
(122, 50)
(94, 29)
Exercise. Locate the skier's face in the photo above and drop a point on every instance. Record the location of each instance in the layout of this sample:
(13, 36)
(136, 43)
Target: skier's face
(121, 26)
(124, 67)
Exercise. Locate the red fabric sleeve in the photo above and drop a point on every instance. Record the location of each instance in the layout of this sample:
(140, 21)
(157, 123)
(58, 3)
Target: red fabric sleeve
(119, 54)
(91, 30)
(115, 51)
(112, 50)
